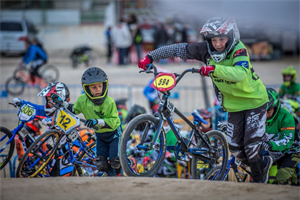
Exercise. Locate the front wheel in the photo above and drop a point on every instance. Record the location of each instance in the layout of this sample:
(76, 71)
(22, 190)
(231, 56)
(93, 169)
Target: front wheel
(39, 154)
(15, 86)
(8, 151)
(133, 153)
(203, 169)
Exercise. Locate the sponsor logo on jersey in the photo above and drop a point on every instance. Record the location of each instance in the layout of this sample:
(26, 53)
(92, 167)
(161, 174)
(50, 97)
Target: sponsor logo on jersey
(242, 63)
(240, 52)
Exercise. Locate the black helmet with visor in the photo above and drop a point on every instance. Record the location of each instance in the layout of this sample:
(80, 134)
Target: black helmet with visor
(91, 76)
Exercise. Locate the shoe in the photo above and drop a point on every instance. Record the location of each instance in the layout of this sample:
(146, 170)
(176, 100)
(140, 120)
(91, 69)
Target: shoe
(267, 168)
(132, 163)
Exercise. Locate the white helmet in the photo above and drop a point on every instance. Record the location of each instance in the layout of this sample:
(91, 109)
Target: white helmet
(58, 88)
(218, 27)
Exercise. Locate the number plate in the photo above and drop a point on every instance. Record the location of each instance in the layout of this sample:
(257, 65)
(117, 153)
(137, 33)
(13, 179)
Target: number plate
(164, 82)
(73, 136)
(27, 112)
(23, 132)
(65, 121)
(63, 140)
(170, 106)
(237, 162)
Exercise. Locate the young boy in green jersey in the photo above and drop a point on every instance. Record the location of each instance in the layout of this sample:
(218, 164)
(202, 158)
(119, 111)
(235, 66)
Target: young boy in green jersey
(289, 87)
(238, 89)
(280, 141)
(99, 110)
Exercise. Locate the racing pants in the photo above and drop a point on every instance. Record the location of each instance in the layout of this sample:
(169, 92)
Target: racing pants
(245, 131)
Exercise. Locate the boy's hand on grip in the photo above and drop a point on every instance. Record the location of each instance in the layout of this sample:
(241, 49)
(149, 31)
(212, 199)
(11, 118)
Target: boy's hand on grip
(91, 122)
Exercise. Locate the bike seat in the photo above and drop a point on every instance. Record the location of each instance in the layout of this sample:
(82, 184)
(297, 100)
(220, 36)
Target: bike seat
(199, 119)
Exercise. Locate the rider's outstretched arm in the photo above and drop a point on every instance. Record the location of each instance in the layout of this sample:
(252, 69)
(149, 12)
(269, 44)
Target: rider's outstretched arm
(196, 51)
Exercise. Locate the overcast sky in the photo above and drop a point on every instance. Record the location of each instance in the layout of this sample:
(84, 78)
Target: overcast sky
(276, 14)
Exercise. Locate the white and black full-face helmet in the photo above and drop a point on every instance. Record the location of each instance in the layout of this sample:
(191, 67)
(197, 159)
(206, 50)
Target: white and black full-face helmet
(58, 88)
(91, 76)
(218, 27)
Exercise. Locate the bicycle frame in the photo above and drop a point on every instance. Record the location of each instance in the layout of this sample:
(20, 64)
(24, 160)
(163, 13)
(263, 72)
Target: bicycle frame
(231, 164)
(72, 157)
(15, 131)
(164, 106)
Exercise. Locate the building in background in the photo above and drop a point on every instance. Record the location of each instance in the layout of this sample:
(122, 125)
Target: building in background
(65, 24)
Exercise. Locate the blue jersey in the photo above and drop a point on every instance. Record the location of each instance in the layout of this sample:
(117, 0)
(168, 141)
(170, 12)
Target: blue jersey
(34, 52)
(150, 92)
(40, 109)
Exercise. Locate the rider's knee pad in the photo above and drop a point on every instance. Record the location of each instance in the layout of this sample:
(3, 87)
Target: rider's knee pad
(114, 162)
(101, 163)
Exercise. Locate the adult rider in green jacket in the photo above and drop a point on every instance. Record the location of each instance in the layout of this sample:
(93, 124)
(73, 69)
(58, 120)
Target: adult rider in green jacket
(239, 90)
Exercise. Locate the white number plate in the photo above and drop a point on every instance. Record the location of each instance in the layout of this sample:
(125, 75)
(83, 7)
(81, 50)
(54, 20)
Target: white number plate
(23, 132)
(237, 162)
(170, 106)
(73, 136)
(26, 112)
(63, 140)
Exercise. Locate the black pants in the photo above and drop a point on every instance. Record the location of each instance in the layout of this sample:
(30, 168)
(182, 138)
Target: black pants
(244, 135)
(36, 65)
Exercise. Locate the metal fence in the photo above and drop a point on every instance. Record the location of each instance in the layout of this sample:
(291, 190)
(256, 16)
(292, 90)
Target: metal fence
(185, 98)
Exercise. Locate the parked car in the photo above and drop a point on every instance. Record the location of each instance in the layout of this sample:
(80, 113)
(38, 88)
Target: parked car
(13, 33)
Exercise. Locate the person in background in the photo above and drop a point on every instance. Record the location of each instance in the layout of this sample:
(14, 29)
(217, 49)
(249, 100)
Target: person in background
(280, 141)
(207, 116)
(138, 40)
(122, 40)
(289, 87)
(36, 55)
(108, 45)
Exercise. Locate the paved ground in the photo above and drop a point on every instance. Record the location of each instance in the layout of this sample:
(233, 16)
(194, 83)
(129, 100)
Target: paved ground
(138, 188)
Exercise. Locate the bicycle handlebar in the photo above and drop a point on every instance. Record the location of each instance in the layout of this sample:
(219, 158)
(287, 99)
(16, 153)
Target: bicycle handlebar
(151, 66)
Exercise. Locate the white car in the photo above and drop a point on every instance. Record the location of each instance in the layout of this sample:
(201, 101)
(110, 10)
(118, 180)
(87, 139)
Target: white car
(13, 33)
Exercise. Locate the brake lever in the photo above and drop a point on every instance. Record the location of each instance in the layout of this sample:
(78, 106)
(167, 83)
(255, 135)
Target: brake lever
(13, 104)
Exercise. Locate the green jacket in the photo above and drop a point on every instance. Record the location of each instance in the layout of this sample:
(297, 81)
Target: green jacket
(280, 134)
(291, 92)
(107, 111)
(236, 85)
(235, 78)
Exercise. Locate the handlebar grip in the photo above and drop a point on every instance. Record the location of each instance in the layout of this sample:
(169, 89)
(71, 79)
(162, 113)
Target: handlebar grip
(195, 70)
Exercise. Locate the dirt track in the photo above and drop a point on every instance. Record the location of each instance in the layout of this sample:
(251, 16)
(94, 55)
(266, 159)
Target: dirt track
(128, 188)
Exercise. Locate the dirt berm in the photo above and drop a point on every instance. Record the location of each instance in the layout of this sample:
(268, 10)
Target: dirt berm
(128, 188)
